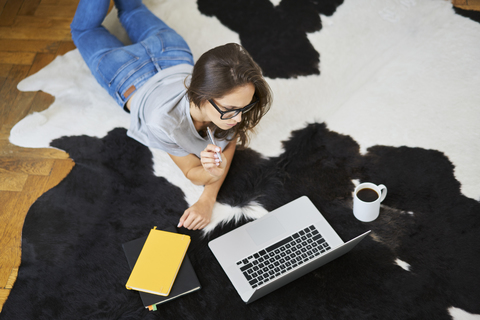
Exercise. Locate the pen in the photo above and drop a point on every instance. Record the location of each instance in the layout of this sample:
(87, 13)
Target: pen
(210, 136)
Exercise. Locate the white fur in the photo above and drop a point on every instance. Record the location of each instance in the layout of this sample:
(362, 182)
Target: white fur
(405, 266)
(459, 314)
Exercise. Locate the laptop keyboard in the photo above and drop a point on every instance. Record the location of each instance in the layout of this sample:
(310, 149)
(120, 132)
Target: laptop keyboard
(287, 254)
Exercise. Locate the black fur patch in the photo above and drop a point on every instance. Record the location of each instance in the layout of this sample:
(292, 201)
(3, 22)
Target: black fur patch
(275, 36)
(73, 266)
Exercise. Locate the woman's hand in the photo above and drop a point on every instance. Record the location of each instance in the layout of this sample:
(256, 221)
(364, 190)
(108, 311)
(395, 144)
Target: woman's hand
(197, 216)
(205, 171)
(211, 163)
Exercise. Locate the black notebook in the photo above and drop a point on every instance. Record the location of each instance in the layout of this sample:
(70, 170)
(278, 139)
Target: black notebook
(185, 282)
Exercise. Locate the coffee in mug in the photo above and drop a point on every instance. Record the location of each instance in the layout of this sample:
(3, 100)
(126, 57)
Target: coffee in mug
(367, 195)
(366, 201)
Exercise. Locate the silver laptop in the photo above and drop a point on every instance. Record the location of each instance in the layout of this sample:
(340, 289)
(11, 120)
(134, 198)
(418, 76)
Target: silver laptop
(285, 244)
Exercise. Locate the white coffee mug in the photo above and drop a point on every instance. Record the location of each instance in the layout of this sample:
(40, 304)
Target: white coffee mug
(366, 201)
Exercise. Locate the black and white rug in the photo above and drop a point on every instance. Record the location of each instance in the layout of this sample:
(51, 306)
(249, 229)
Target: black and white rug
(390, 96)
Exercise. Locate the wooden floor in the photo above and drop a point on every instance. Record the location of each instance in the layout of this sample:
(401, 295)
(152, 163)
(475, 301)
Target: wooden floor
(32, 34)
(467, 4)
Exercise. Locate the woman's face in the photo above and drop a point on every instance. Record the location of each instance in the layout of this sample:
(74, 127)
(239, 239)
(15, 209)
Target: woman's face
(236, 99)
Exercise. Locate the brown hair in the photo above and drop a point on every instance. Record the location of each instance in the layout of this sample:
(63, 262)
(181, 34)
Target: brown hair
(218, 72)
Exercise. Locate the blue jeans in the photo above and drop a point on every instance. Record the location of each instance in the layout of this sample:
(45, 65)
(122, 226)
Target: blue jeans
(122, 69)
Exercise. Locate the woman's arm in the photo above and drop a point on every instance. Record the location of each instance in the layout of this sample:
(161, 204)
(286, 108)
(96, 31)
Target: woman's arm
(204, 171)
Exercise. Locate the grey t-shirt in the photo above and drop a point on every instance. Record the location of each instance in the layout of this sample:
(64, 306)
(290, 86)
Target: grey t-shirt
(160, 115)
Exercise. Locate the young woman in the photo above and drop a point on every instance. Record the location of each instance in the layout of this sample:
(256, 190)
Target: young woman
(172, 101)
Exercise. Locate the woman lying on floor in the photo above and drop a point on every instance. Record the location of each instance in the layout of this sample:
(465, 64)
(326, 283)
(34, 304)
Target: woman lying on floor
(172, 101)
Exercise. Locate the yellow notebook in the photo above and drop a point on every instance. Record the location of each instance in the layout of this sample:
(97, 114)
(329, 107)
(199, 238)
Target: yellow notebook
(158, 263)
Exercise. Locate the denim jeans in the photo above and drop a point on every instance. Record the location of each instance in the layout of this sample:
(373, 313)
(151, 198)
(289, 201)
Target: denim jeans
(122, 69)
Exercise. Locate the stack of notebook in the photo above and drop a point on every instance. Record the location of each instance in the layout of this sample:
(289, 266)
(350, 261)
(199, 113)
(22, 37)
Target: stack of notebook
(161, 270)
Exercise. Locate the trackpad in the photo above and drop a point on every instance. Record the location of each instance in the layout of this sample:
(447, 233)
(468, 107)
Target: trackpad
(265, 229)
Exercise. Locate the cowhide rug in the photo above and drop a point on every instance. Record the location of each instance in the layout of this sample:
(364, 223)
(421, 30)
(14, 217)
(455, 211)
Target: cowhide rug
(380, 91)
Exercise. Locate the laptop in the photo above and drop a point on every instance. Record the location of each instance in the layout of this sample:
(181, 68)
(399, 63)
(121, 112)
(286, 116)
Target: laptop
(285, 244)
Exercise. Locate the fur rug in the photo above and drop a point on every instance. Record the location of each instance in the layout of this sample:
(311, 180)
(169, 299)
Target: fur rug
(396, 83)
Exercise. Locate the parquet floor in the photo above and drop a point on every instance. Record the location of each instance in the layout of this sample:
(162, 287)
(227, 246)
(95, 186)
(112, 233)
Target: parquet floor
(32, 34)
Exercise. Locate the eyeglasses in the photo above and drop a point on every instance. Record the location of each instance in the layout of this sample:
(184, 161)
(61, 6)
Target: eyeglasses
(225, 115)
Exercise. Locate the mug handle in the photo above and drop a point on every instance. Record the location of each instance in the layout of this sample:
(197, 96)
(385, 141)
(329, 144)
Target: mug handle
(383, 190)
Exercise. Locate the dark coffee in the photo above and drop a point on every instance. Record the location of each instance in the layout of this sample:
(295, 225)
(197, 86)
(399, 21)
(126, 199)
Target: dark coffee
(367, 195)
